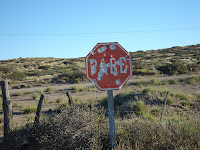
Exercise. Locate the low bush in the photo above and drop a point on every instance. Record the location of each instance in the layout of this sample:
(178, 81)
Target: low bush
(148, 117)
(140, 107)
(59, 100)
(15, 105)
(49, 90)
(40, 91)
(1, 119)
(171, 81)
(147, 91)
(193, 80)
(17, 75)
(35, 96)
(82, 128)
(78, 88)
(155, 82)
(182, 80)
(198, 97)
(75, 76)
(30, 109)
(181, 96)
(169, 101)
(165, 82)
(143, 72)
(155, 111)
(185, 103)
(119, 99)
(19, 93)
(139, 83)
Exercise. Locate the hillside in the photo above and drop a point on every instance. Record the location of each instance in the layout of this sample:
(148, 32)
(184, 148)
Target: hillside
(178, 58)
(34, 71)
(84, 125)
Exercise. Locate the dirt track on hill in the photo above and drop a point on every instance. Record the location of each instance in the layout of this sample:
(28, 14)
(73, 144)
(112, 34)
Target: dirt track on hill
(87, 83)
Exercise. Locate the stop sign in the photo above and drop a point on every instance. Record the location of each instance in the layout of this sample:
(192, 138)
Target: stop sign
(108, 66)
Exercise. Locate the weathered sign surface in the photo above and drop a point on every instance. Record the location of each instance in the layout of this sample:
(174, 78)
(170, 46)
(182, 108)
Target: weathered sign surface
(108, 66)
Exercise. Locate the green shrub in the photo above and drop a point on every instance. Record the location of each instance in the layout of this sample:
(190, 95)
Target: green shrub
(198, 97)
(181, 96)
(75, 75)
(19, 93)
(77, 80)
(78, 88)
(35, 96)
(15, 105)
(28, 92)
(162, 93)
(24, 85)
(165, 82)
(59, 100)
(30, 109)
(40, 91)
(119, 99)
(171, 81)
(1, 119)
(49, 90)
(169, 101)
(138, 107)
(193, 80)
(17, 75)
(45, 100)
(149, 117)
(155, 82)
(139, 83)
(185, 103)
(177, 67)
(146, 91)
(155, 111)
(182, 80)
(143, 72)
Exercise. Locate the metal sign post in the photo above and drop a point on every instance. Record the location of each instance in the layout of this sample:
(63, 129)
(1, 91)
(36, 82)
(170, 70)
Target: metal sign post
(108, 67)
(111, 115)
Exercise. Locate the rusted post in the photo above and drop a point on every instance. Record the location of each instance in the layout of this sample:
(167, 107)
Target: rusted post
(71, 103)
(38, 113)
(7, 108)
(164, 107)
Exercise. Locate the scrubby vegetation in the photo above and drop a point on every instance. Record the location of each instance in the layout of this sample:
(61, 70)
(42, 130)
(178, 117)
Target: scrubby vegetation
(171, 61)
(137, 115)
(84, 125)
(84, 128)
(34, 71)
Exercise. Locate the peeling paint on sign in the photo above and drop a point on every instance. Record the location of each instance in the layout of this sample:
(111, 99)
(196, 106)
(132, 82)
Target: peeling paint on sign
(108, 66)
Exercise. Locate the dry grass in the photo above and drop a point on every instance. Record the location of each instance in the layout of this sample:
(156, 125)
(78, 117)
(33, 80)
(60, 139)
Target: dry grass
(88, 129)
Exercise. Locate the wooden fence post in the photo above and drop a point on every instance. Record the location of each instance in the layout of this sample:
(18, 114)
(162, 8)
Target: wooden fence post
(163, 108)
(71, 103)
(7, 108)
(38, 113)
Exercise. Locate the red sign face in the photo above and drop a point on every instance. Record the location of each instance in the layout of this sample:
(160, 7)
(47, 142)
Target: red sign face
(108, 66)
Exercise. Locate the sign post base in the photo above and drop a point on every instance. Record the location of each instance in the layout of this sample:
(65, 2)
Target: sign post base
(111, 114)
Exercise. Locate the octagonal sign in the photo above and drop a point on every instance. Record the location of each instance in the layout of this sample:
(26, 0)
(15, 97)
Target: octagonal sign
(108, 66)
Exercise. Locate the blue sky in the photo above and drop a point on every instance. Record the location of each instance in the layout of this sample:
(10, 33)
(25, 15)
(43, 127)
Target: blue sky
(70, 29)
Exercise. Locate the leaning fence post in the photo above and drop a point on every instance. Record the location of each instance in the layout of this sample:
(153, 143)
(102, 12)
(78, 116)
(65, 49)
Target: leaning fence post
(71, 103)
(37, 116)
(7, 108)
(164, 107)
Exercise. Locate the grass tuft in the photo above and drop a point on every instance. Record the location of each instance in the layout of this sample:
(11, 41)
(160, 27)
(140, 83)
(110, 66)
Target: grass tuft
(30, 109)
